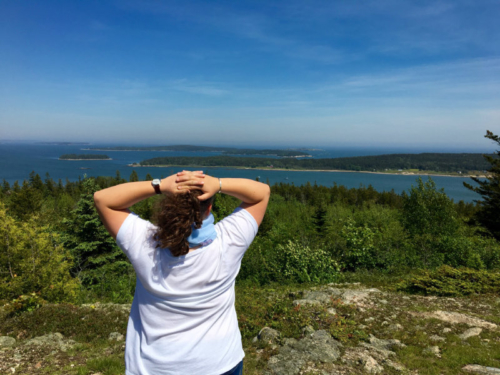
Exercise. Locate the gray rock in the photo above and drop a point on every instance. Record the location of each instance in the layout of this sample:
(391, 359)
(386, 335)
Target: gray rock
(395, 327)
(361, 357)
(380, 352)
(436, 338)
(433, 350)
(307, 330)
(268, 335)
(357, 295)
(383, 301)
(471, 332)
(115, 336)
(447, 330)
(313, 295)
(304, 302)
(53, 340)
(371, 366)
(456, 318)
(331, 311)
(370, 319)
(7, 342)
(390, 344)
(482, 370)
(320, 347)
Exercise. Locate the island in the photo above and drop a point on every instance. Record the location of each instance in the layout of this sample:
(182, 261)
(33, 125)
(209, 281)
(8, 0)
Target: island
(84, 157)
(286, 153)
(64, 143)
(425, 163)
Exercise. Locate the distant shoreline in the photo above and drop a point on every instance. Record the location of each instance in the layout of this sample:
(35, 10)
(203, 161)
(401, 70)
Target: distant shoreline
(311, 170)
(84, 159)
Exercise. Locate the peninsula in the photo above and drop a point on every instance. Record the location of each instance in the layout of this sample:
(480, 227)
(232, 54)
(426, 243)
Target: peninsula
(426, 163)
(84, 157)
(287, 153)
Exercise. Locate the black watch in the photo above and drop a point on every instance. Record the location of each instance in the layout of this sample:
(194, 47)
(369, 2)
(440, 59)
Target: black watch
(156, 184)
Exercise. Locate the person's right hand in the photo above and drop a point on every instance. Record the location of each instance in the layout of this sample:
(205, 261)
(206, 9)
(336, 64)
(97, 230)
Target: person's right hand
(210, 187)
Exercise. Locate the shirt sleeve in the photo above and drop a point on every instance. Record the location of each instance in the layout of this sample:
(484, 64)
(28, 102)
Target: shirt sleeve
(237, 232)
(133, 236)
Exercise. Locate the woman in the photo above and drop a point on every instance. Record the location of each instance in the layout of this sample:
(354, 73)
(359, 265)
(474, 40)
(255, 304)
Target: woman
(183, 319)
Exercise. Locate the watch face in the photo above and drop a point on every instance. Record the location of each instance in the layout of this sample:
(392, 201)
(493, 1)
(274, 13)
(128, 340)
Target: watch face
(156, 182)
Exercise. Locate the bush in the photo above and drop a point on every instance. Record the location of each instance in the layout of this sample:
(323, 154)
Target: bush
(33, 260)
(427, 210)
(448, 281)
(24, 303)
(297, 263)
(359, 252)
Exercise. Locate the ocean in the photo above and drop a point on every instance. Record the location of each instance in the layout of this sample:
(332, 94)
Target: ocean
(17, 161)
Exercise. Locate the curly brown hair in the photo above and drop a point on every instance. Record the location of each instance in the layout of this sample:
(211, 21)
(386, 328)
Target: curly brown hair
(175, 217)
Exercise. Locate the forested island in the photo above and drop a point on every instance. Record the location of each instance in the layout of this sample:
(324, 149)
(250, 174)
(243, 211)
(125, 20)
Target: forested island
(458, 164)
(64, 143)
(225, 150)
(84, 157)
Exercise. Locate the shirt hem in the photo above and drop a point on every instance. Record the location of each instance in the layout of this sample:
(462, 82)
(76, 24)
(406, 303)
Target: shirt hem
(219, 372)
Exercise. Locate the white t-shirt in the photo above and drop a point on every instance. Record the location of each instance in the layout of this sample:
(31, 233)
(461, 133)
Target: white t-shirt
(183, 319)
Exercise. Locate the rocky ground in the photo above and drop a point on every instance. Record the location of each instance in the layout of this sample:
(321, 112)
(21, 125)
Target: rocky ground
(392, 333)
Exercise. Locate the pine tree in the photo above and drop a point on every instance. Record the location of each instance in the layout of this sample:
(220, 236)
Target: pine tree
(134, 177)
(488, 214)
(95, 253)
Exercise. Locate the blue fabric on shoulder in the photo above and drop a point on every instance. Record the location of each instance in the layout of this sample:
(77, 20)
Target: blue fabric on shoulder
(205, 235)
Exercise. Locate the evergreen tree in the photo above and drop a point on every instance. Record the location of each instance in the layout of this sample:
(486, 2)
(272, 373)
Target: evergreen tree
(25, 202)
(488, 214)
(96, 256)
(5, 187)
(319, 219)
(149, 177)
(133, 176)
(118, 177)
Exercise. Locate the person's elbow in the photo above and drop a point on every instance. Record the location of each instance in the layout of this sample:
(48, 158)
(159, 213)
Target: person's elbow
(97, 199)
(268, 191)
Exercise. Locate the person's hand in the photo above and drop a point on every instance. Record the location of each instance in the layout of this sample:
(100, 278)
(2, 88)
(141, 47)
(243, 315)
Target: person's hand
(189, 180)
(179, 182)
(210, 187)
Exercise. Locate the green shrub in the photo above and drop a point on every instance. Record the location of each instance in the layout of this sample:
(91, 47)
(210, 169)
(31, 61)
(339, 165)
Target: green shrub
(359, 252)
(24, 303)
(448, 281)
(298, 263)
(427, 210)
(459, 252)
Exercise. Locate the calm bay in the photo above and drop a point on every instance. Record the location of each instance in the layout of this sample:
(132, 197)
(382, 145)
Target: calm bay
(17, 161)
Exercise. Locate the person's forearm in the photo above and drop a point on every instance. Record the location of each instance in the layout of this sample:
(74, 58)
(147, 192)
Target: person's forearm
(123, 196)
(248, 191)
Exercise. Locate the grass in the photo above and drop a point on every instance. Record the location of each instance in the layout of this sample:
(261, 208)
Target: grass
(272, 306)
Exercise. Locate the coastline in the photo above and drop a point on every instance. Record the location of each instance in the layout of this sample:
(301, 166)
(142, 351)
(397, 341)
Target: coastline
(310, 170)
(83, 159)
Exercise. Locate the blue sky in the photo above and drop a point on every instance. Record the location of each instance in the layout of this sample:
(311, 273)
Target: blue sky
(385, 73)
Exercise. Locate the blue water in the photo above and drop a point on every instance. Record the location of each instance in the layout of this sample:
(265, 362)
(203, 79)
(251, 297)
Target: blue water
(18, 160)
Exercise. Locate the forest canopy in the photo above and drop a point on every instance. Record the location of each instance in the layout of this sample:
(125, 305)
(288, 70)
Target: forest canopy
(437, 162)
(84, 157)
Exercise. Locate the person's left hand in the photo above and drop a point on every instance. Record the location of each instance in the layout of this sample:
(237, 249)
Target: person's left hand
(189, 180)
